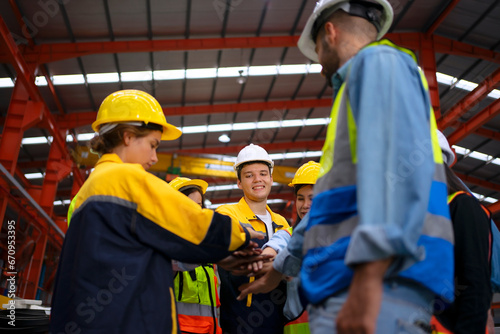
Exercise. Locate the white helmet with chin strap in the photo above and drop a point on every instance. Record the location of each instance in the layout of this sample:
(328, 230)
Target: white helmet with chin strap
(378, 12)
(253, 153)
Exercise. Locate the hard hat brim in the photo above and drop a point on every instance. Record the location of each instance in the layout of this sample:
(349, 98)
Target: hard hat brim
(197, 183)
(170, 132)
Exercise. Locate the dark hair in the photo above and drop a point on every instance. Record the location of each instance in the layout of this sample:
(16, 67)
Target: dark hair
(240, 167)
(105, 143)
(454, 183)
(297, 187)
(188, 190)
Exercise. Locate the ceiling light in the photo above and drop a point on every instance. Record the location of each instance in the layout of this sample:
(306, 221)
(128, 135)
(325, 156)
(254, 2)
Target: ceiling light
(6, 82)
(239, 72)
(241, 79)
(224, 138)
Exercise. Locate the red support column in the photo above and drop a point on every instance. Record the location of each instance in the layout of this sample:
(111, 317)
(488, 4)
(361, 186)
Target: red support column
(58, 167)
(21, 115)
(31, 275)
(76, 182)
(428, 65)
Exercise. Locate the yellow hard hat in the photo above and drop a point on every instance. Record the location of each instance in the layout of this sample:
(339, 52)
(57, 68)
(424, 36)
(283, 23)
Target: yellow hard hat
(133, 105)
(181, 182)
(306, 174)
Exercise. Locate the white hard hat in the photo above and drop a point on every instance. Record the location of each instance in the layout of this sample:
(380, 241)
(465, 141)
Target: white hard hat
(253, 153)
(448, 154)
(378, 12)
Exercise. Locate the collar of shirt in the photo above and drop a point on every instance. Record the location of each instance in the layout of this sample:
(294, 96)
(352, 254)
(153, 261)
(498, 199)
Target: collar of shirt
(339, 77)
(109, 157)
(245, 209)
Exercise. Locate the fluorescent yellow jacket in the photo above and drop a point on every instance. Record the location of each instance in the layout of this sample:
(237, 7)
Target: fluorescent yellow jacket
(115, 273)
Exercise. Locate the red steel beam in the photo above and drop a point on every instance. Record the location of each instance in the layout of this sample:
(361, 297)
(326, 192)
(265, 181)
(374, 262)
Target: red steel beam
(32, 273)
(487, 133)
(46, 53)
(57, 169)
(25, 75)
(456, 48)
(494, 208)
(441, 18)
(19, 18)
(428, 64)
(470, 100)
(475, 122)
(478, 182)
(77, 119)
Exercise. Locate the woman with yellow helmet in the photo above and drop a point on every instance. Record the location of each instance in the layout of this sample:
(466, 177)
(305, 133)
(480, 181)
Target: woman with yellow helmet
(195, 286)
(302, 183)
(115, 273)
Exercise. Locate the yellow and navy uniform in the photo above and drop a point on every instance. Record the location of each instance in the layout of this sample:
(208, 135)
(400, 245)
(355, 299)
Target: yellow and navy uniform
(261, 313)
(115, 273)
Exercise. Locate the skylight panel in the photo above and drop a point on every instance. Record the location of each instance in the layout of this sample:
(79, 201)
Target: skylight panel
(6, 82)
(103, 77)
(71, 79)
(137, 76)
(169, 75)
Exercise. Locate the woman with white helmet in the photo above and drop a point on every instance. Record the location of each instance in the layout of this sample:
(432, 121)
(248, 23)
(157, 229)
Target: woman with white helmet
(115, 273)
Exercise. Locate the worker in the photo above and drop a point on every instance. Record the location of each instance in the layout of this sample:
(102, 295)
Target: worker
(302, 183)
(196, 288)
(115, 273)
(471, 229)
(263, 313)
(378, 245)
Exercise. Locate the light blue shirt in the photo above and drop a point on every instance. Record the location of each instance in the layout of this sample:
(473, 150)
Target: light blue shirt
(289, 260)
(395, 162)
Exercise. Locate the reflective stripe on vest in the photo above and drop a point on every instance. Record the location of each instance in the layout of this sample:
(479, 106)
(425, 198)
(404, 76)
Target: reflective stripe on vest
(194, 309)
(330, 226)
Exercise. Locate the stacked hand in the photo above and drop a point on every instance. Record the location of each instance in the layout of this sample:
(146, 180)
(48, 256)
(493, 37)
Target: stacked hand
(248, 260)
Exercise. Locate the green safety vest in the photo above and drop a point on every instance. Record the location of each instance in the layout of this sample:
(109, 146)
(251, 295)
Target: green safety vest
(196, 286)
(195, 293)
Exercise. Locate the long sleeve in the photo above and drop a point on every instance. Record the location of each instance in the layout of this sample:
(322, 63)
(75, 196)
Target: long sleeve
(289, 260)
(394, 155)
(193, 234)
(278, 241)
(468, 314)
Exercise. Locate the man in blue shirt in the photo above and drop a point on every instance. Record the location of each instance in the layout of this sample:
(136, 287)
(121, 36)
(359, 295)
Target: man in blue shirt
(378, 245)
